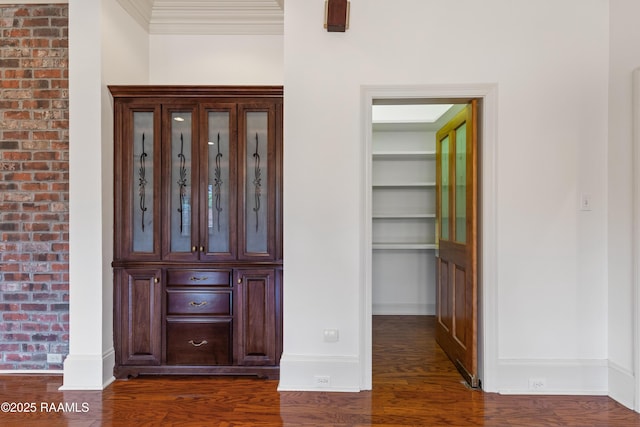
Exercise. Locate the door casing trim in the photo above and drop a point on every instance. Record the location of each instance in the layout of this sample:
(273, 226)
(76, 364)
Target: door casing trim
(487, 222)
(636, 235)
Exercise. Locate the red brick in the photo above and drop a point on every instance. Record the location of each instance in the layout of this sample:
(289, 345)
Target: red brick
(36, 226)
(60, 227)
(44, 317)
(33, 307)
(22, 176)
(46, 135)
(4, 104)
(47, 11)
(12, 155)
(36, 103)
(41, 176)
(47, 32)
(46, 197)
(18, 74)
(12, 357)
(16, 337)
(34, 186)
(18, 33)
(59, 267)
(31, 287)
(9, 347)
(36, 145)
(24, 11)
(35, 22)
(15, 134)
(35, 327)
(10, 84)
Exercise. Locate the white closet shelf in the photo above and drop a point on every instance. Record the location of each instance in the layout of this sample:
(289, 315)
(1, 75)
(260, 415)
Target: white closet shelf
(404, 246)
(404, 155)
(404, 185)
(402, 215)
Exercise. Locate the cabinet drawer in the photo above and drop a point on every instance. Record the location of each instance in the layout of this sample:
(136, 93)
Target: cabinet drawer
(199, 277)
(181, 301)
(198, 343)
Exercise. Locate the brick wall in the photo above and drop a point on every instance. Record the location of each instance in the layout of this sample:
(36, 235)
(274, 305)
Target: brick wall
(34, 185)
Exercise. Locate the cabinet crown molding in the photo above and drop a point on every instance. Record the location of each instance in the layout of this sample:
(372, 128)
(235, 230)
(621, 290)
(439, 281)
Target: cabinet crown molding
(186, 91)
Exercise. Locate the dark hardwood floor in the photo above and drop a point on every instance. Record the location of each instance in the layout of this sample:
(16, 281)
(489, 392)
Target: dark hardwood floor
(414, 384)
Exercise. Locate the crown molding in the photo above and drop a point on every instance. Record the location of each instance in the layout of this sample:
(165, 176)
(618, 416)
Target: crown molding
(213, 17)
(140, 10)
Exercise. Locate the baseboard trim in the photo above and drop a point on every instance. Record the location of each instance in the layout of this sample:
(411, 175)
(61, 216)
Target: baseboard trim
(302, 373)
(88, 372)
(621, 385)
(559, 376)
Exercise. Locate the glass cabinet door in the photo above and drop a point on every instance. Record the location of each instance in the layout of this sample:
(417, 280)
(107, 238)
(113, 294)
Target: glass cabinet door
(257, 216)
(181, 219)
(218, 197)
(143, 187)
(138, 206)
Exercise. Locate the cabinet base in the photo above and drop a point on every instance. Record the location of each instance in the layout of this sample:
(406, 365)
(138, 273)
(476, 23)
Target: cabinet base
(263, 372)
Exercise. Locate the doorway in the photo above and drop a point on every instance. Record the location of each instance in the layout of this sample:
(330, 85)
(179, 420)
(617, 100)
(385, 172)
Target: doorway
(372, 236)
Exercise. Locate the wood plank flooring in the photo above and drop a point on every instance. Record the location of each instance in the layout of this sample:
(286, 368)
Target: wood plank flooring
(414, 384)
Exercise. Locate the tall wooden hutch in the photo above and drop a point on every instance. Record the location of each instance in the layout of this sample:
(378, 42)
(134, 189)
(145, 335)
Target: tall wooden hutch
(198, 230)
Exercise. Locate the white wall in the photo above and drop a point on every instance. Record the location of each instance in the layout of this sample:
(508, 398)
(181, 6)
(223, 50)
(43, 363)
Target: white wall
(216, 60)
(624, 58)
(106, 47)
(549, 60)
(125, 60)
(83, 368)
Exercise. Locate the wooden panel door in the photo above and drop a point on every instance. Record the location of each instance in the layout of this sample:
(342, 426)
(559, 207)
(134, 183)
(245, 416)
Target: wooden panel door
(139, 314)
(255, 313)
(457, 199)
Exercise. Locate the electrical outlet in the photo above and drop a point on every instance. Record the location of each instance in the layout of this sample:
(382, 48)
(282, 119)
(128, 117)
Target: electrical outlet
(537, 384)
(54, 358)
(322, 380)
(330, 335)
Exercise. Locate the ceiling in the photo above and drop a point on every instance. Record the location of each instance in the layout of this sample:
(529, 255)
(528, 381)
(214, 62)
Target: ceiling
(207, 16)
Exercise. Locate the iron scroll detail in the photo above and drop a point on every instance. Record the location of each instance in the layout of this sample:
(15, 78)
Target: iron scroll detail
(182, 181)
(257, 183)
(218, 182)
(142, 183)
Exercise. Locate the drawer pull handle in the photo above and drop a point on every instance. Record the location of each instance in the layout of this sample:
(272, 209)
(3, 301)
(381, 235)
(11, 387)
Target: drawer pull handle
(194, 248)
(197, 304)
(195, 279)
(198, 344)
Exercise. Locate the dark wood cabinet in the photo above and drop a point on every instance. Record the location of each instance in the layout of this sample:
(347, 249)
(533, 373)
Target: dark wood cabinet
(139, 303)
(256, 322)
(198, 230)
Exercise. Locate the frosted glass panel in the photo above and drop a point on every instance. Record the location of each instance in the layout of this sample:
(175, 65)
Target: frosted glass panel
(142, 182)
(461, 183)
(218, 182)
(181, 170)
(256, 187)
(444, 197)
